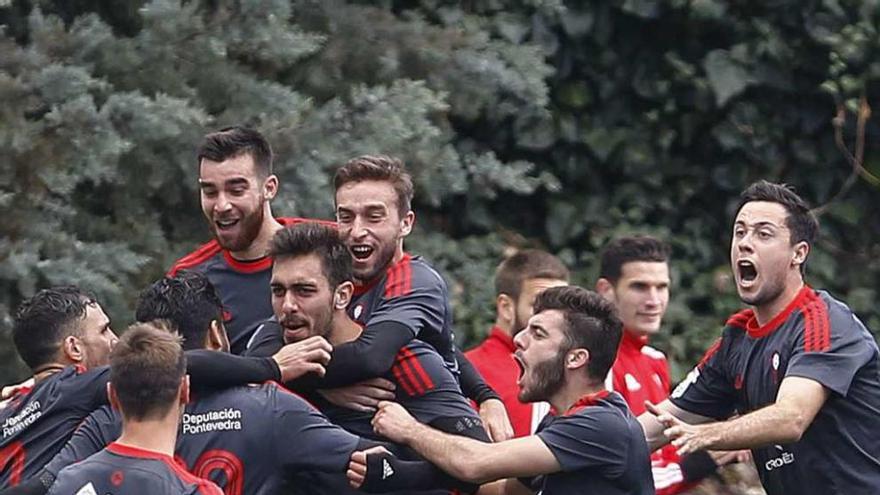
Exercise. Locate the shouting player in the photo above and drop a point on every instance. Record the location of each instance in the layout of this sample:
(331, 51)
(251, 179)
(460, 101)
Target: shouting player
(590, 443)
(799, 370)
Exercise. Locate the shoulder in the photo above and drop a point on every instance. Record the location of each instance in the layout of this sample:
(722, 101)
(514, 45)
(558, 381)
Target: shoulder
(740, 320)
(653, 353)
(202, 254)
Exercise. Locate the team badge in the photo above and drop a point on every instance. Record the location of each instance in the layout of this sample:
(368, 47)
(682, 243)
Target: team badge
(358, 310)
(774, 361)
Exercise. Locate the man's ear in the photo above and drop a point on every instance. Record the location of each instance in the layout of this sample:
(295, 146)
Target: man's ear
(216, 338)
(801, 250)
(270, 187)
(114, 400)
(406, 223)
(505, 308)
(73, 349)
(342, 295)
(577, 358)
(606, 289)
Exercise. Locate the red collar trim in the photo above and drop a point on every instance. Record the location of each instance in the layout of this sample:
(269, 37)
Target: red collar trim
(631, 340)
(265, 262)
(585, 401)
(502, 337)
(756, 331)
(129, 451)
(362, 289)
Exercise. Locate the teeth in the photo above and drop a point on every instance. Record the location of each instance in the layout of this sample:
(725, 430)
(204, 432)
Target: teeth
(226, 223)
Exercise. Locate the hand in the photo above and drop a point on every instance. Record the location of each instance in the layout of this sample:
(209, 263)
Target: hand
(685, 437)
(307, 356)
(725, 457)
(494, 416)
(357, 466)
(364, 396)
(393, 422)
(8, 391)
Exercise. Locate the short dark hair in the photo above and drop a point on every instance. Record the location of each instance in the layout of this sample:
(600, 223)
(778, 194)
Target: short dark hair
(800, 220)
(591, 323)
(187, 301)
(314, 238)
(231, 142)
(146, 368)
(628, 249)
(42, 322)
(526, 265)
(380, 168)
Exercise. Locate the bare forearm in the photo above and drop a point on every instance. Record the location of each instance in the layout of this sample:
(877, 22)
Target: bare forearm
(770, 425)
(459, 456)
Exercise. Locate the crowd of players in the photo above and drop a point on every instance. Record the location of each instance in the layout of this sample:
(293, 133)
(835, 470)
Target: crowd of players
(293, 355)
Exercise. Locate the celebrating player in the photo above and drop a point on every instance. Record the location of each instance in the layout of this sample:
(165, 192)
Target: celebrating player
(591, 444)
(518, 280)
(149, 387)
(800, 370)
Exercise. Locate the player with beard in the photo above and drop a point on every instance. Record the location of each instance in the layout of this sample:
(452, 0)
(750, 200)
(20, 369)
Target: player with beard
(518, 280)
(247, 439)
(589, 444)
(397, 296)
(311, 289)
(799, 370)
(149, 386)
(237, 187)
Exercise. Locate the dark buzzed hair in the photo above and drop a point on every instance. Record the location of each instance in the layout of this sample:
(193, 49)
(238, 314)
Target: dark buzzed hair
(525, 265)
(800, 220)
(187, 301)
(232, 142)
(379, 168)
(146, 369)
(628, 249)
(314, 238)
(591, 323)
(42, 322)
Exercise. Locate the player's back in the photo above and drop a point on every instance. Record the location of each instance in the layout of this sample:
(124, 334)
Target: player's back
(38, 422)
(125, 470)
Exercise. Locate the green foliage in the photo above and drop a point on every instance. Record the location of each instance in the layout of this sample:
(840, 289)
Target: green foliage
(524, 122)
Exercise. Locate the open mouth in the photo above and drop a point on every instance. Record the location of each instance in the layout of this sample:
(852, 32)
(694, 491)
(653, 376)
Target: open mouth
(748, 272)
(521, 365)
(226, 224)
(294, 334)
(361, 251)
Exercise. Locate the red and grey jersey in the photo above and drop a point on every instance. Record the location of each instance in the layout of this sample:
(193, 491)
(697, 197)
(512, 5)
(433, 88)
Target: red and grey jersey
(493, 358)
(641, 373)
(413, 294)
(815, 337)
(125, 470)
(39, 421)
(600, 447)
(243, 286)
(246, 439)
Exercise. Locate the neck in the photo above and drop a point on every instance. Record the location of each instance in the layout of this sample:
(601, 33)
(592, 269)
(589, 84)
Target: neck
(343, 329)
(504, 326)
(156, 435)
(766, 312)
(47, 370)
(260, 246)
(572, 390)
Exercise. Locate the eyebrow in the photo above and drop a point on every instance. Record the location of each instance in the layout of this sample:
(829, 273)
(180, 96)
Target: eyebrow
(763, 223)
(231, 182)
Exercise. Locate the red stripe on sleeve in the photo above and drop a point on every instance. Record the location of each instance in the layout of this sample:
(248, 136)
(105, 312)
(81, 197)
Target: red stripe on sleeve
(413, 361)
(391, 281)
(406, 367)
(397, 371)
(709, 353)
(809, 329)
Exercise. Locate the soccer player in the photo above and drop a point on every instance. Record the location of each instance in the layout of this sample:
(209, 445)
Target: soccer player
(237, 186)
(63, 335)
(799, 370)
(397, 297)
(518, 280)
(590, 443)
(311, 289)
(248, 439)
(149, 387)
(634, 275)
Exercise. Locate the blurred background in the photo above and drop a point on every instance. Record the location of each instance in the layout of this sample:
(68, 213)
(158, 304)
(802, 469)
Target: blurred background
(548, 124)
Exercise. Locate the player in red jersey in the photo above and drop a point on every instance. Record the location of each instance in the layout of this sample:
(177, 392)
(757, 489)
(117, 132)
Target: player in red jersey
(634, 275)
(518, 280)
(799, 371)
(149, 386)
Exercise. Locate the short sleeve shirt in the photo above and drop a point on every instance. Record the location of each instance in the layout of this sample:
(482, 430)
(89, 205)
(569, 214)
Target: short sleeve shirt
(601, 448)
(815, 337)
